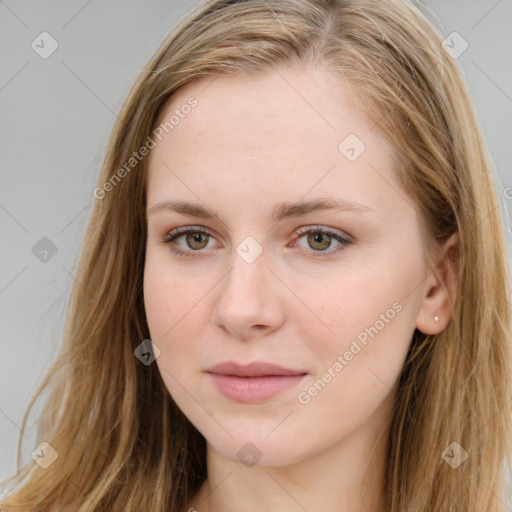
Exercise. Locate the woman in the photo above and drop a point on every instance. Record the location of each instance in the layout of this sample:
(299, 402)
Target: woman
(341, 340)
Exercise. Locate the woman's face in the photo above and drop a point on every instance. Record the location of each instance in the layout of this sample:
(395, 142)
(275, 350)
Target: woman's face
(277, 284)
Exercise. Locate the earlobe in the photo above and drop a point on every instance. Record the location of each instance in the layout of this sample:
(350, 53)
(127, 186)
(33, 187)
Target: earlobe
(440, 290)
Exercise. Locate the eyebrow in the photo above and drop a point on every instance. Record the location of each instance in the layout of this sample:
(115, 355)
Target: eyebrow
(281, 210)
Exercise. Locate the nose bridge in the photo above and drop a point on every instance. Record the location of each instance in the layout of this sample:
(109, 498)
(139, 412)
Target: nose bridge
(247, 297)
(248, 269)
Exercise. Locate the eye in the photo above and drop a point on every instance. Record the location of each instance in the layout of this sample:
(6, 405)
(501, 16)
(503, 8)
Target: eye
(196, 238)
(320, 239)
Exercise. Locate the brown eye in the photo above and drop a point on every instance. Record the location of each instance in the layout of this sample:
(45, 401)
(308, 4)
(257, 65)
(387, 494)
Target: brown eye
(196, 240)
(319, 240)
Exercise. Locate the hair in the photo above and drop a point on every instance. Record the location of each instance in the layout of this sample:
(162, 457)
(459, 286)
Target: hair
(122, 442)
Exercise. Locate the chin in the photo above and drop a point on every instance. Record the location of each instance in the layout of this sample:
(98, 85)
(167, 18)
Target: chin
(251, 447)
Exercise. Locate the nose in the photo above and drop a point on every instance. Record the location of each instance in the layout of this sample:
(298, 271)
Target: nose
(249, 302)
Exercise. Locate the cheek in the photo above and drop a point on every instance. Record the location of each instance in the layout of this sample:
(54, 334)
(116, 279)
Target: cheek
(367, 319)
(167, 298)
(167, 306)
(356, 369)
(348, 305)
(157, 299)
(175, 310)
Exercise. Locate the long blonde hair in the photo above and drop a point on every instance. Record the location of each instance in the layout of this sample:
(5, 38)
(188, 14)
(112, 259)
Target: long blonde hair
(122, 443)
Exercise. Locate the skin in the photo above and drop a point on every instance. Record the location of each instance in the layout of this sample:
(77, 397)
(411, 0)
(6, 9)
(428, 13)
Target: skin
(286, 307)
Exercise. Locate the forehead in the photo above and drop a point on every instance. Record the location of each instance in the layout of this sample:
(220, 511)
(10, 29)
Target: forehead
(281, 136)
(290, 101)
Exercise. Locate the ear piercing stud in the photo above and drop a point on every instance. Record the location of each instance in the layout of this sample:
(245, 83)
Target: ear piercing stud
(436, 319)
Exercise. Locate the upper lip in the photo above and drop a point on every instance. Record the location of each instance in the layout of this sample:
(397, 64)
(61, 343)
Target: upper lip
(255, 369)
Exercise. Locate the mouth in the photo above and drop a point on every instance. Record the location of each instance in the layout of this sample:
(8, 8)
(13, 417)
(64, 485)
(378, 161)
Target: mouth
(255, 382)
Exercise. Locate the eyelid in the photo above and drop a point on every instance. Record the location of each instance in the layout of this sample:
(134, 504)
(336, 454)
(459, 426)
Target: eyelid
(324, 229)
(343, 239)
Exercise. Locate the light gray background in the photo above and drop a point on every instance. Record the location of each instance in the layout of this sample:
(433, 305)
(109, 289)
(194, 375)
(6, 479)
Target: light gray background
(56, 117)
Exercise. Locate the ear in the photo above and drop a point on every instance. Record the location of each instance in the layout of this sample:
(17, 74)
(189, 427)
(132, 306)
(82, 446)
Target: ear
(440, 290)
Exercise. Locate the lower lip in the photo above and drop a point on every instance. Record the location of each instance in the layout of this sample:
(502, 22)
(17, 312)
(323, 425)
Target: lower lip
(254, 389)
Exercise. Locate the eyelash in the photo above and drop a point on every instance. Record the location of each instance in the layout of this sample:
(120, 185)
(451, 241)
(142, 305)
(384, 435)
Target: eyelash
(178, 232)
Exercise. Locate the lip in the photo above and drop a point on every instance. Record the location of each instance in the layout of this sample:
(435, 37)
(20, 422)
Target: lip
(255, 369)
(254, 382)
